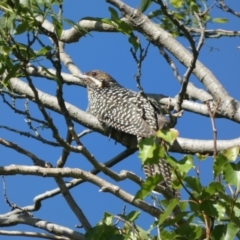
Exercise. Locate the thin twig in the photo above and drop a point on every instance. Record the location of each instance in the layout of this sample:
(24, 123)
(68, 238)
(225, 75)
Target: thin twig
(186, 76)
(37, 161)
(139, 60)
(185, 188)
(10, 204)
(123, 213)
(225, 8)
(43, 123)
(171, 63)
(84, 132)
(29, 135)
(212, 117)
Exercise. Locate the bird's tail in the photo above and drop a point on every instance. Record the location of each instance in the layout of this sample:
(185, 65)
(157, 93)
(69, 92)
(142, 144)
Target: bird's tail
(163, 169)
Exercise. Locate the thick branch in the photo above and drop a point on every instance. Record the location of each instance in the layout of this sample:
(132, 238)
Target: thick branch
(32, 234)
(52, 228)
(72, 204)
(190, 146)
(77, 173)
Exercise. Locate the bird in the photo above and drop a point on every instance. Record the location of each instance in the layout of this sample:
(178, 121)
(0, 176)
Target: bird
(129, 112)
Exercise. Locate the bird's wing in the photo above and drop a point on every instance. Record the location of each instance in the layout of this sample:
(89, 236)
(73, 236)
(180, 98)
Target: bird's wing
(162, 121)
(132, 120)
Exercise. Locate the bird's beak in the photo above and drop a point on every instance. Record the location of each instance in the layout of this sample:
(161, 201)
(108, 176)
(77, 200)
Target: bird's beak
(95, 81)
(89, 79)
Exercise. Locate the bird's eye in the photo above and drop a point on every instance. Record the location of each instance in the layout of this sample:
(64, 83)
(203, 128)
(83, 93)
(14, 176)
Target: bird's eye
(94, 74)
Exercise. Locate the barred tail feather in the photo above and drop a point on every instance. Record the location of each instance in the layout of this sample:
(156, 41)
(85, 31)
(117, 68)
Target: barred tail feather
(163, 169)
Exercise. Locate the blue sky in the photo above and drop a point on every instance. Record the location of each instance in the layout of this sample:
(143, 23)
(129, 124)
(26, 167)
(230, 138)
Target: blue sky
(110, 52)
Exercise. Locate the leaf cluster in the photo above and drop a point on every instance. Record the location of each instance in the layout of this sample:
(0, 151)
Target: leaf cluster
(216, 203)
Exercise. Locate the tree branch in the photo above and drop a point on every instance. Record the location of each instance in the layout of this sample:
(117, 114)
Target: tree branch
(52, 228)
(32, 234)
(87, 176)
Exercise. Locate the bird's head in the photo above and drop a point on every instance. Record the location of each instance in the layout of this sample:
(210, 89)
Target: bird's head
(99, 79)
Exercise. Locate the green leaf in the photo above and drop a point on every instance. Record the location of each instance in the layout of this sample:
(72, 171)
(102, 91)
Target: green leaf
(6, 7)
(225, 232)
(134, 41)
(176, 3)
(231, 153)
(8, 63)
(124, 28)
(211, 190)
(108, 218)
(114, 15)
(5, 50)
(146, 148)
(142, 234)
(231, 173)
(10, 21)
(221, 210)
(22, 27)
(218, 232)
(194, 7)
(150, 152)
(237, 208)
(220, 20)
(2, 70)
(194, 206)
(183, 205)
(76, 26)
(44, 50)
(25, 50)
(146, 188)
(58, 27)
(193, 183)
(218, 164)
(53, 76)
(108, 21)
(120, 25)
(184, 165)
(166, 235)
(13, 72)
(226, 199)
(144, 5)
(102, 20)
(172, 204)
(101, 232)
(132, 216)
(173, 221)
(201, 156)
(208, 207)
(168, 135)
(190, 230)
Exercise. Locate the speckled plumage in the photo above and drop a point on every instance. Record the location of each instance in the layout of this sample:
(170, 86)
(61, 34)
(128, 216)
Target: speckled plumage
(127, 111)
